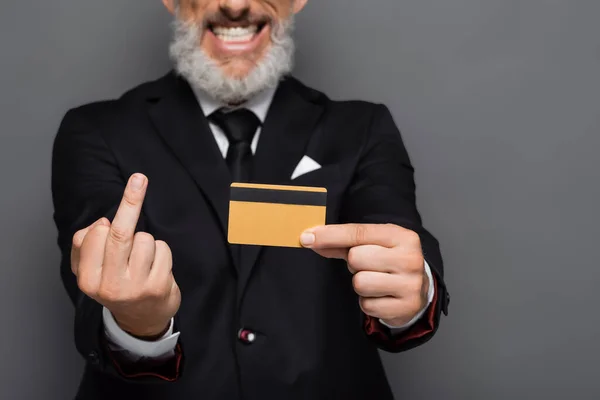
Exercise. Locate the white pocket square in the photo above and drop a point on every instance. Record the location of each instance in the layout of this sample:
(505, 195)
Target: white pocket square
(305, 166)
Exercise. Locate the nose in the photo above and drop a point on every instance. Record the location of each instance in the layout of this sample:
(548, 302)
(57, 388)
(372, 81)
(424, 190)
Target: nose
(235, 9)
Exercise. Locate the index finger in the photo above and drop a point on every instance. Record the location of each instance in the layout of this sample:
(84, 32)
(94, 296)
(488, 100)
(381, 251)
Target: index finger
(120, 239)
(352, 235)
(78, 241)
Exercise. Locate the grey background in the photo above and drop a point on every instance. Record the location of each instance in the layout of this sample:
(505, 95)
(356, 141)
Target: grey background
(499, 104)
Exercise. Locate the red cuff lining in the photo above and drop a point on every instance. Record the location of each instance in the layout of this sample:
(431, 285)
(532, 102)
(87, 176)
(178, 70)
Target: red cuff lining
(422, 327)
(144, 369)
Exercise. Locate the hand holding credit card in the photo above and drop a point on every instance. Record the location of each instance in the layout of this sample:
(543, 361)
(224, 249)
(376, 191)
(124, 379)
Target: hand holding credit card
(274, 215)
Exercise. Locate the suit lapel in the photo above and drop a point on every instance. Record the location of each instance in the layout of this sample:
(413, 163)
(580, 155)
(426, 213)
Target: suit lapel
(290, 122)
(179, 120)
(287, 129)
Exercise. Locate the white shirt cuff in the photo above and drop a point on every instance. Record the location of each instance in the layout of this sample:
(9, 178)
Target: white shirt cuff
(119, 340)
(430, 294)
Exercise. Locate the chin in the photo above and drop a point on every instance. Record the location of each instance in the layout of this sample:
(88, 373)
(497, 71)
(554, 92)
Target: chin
(238, 69)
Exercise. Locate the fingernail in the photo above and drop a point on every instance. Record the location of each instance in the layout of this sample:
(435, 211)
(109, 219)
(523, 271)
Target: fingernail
(137, 182)
(307, 238)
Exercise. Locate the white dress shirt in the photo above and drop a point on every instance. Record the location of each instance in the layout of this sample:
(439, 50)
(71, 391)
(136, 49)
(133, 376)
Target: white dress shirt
(134, 348)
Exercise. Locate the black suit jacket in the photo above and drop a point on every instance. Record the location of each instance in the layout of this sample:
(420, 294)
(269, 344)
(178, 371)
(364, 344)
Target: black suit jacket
(312, 340)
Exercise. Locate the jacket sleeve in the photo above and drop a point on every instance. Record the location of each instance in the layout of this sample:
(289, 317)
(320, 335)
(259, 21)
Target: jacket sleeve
(87, 184)
(383, 191)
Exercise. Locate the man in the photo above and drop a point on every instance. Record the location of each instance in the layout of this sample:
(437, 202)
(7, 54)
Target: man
(165, 307)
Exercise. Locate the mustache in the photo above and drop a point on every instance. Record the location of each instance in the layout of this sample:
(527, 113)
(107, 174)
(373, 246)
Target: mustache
(224, 18)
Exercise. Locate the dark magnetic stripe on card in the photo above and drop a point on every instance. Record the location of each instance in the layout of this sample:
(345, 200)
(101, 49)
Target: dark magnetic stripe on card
(278, 196)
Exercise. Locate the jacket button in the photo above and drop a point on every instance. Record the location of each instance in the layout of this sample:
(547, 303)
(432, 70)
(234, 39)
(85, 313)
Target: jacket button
(246, 336)
(94, 358)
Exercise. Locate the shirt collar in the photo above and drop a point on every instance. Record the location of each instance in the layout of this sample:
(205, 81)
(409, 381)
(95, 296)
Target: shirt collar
(258, 104)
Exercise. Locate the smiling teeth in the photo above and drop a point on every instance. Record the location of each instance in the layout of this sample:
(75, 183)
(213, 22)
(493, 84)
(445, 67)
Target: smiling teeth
(237, 34)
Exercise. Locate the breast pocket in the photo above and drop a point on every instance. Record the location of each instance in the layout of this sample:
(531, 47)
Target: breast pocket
(328, 175)
(331, 178)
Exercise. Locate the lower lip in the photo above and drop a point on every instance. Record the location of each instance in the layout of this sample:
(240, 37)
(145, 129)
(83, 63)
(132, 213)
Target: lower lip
(241, 46)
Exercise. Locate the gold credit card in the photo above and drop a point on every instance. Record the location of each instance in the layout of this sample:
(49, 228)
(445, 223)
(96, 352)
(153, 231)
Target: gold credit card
(274, 215)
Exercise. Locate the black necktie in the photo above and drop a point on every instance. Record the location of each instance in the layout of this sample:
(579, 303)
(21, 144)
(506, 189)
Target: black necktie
(239, 126)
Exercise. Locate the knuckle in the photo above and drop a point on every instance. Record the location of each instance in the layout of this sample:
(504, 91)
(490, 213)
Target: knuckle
(77, 239)
(130, 199)
(143, 237)
(394, 229)
(98, 231)
(155, 293)
(368, 306)
(413, 237)
(360, 233)
(360, 282)
(108, 294)
(162, 246)
(85, 285)
(119, 235)
(415, 263)
(354, 256)
(145, 240)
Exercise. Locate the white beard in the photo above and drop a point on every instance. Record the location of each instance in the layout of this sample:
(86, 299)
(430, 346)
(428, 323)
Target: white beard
(203, 73)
